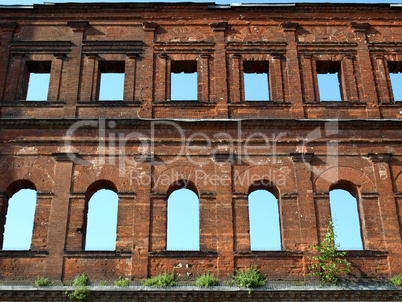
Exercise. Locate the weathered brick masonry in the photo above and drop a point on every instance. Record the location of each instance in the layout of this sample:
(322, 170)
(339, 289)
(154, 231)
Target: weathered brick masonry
(308, 153)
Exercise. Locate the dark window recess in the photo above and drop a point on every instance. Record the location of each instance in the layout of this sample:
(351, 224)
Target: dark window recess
(37, 78)
(184, 82)
(328, 77)
(111, 81)
(395, 75)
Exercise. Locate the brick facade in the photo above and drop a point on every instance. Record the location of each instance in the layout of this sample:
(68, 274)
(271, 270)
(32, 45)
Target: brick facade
(302, 146)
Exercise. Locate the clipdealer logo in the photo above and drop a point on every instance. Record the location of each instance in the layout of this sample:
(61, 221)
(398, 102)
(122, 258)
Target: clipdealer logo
(127, 149)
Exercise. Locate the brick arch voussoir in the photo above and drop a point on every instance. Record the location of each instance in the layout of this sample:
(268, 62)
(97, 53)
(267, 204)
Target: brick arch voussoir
(121, 179)
(333, 175)
(174, 174)
(184, 34)
(42, 180)
(246, 178)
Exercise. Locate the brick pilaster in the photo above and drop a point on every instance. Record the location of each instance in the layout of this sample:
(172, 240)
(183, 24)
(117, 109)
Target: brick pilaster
(388, 210)
(143, 219)
(225, 244)
(7, 33)
(130, 93)
(367, 90)
(147, 70)
(55, 78)
(305, 199)
(218, 77)
(293, 86)
(58, 217)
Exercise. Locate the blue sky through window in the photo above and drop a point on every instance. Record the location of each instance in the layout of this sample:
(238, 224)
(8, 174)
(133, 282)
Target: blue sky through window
(265, 232)
(345, 216)
(20, 220)
(328, 86)
(111, 87)
(256, 87)
(102, 221)
(396, 83)
(184, 86)
(38, 86)
(183, 227)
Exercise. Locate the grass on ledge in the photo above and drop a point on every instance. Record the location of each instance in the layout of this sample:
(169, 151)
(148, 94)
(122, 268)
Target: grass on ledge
(163, 280)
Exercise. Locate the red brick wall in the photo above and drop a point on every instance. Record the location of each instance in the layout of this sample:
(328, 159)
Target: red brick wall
(302, 157)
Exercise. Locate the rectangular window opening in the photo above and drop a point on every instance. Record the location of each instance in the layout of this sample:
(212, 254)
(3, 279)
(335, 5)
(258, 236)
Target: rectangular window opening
(395, 75)
(255, 76)
(328, 80)
(184, 82)
(38, 74)
(111, 87)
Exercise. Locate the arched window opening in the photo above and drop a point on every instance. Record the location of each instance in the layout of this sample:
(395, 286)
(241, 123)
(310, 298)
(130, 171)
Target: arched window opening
(265, 232)
(19, 220)
(101, 221)
(183, 226)
(345, 215)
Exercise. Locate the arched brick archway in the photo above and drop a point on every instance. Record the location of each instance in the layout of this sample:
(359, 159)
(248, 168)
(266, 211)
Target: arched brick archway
(183, 184)
(38, 179)
(88, 176)
(178, 176)
(335, 175)
(253, 175)
(99, 185)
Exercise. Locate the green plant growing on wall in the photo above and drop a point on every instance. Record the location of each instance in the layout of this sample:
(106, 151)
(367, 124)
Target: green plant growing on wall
(162, 280)
(396, 280)
(250, 278)
(330, 260)
(81, 292)
(80, 280)
(206, 280)
(40, 282)
(122, 282)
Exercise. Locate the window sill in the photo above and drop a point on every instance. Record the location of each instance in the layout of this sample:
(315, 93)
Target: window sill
(97, 254)
(23, 254)
(364, 253)
(392, 104)
(183, 253)
(195, 103)
(259, 104)
(118, 103)
(24, 103)
(337, 104)
(269, 253)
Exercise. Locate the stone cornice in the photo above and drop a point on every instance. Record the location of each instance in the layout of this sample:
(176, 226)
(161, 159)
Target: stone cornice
(184, 47)
(327, 47)
(105, 47)
(252, 47)
(15, 123)
(35, 47)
